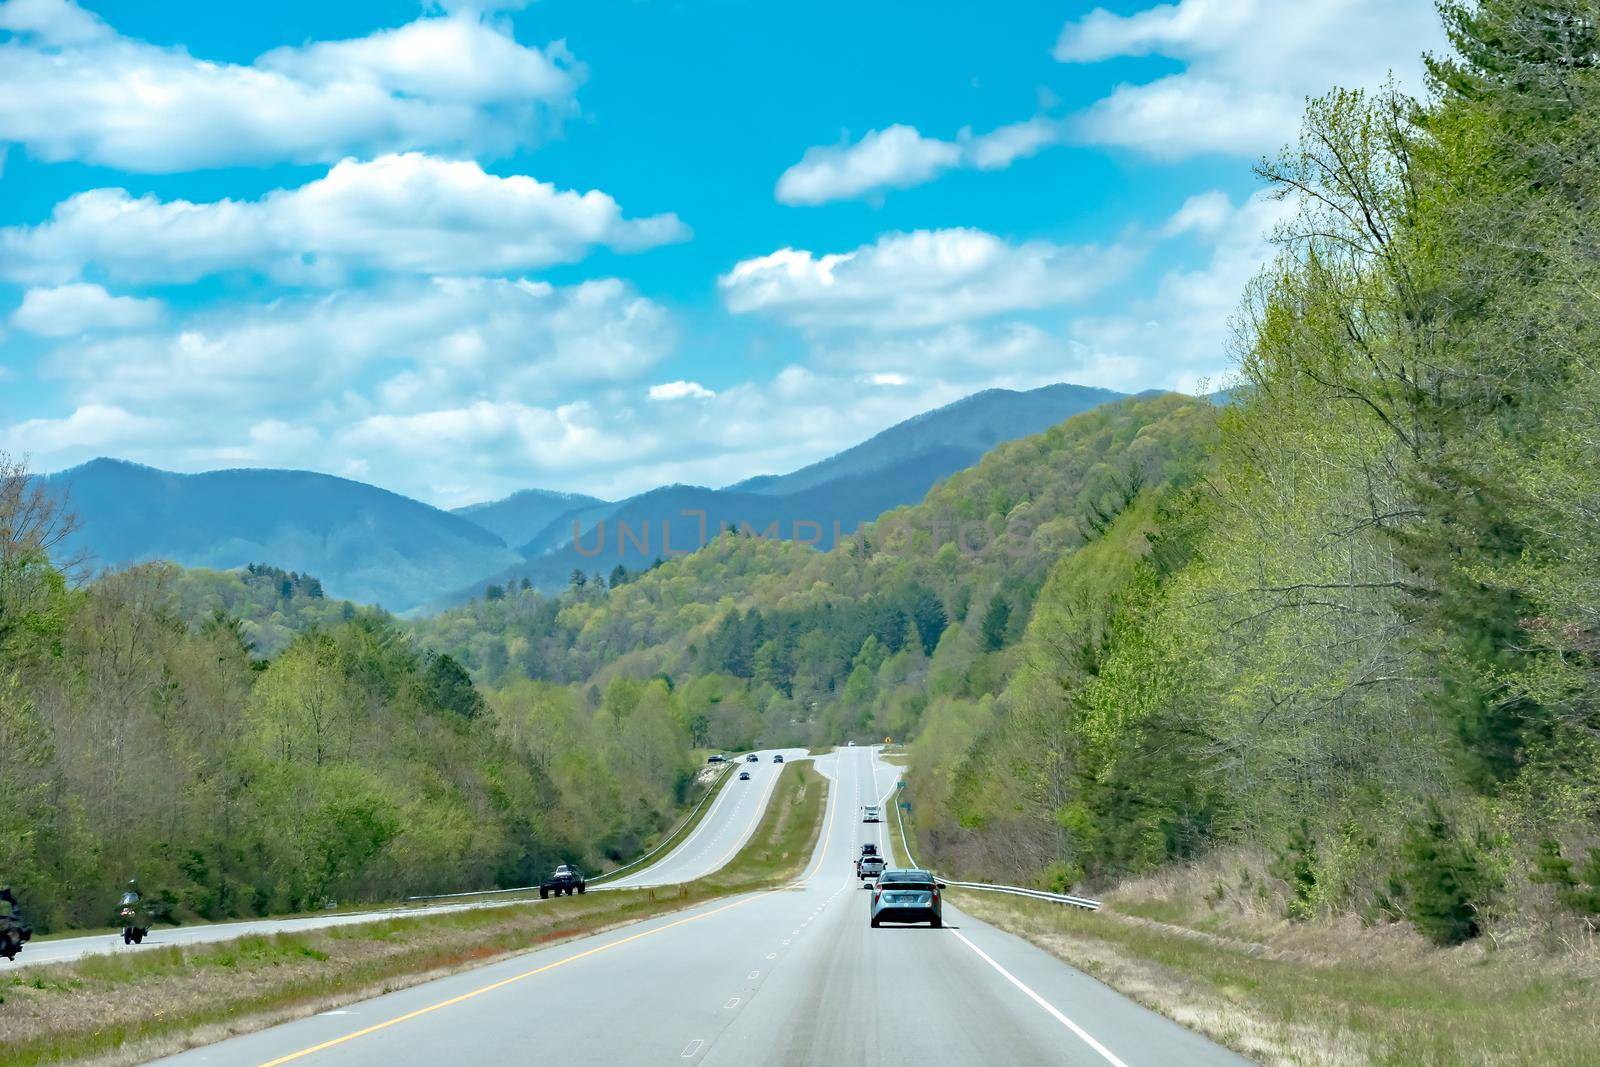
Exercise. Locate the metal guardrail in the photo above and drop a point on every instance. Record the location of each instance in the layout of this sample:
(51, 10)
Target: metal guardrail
(989, 887)
(608, 874)
(1037, 894)
(716, 786)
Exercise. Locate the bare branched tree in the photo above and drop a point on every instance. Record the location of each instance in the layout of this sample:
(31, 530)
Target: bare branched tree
(36, 526)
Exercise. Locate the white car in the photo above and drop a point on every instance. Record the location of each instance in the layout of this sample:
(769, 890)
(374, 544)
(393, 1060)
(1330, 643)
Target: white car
(871, 813)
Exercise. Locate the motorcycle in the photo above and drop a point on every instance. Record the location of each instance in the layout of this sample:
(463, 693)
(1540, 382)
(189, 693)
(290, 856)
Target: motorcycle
(14, 933)
(134, 920)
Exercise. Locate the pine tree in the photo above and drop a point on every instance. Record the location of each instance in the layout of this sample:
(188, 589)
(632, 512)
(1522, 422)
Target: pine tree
(1297, 865)
(1447, 889)
(996, 620)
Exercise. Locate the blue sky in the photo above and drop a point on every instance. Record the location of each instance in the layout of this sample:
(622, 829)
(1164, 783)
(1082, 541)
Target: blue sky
(458, 250)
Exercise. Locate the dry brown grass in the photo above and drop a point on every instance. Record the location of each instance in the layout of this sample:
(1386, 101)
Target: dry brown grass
(1327, 994)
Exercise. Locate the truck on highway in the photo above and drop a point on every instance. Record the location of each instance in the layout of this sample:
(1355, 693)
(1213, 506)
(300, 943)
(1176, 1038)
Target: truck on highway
(564, 879)
(869, 867)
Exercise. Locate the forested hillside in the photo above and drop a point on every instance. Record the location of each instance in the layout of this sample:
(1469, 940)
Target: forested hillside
(1364, 647)
(352, 765)
(764, 638)
(267, 604)
(818, 503)
(365, 543)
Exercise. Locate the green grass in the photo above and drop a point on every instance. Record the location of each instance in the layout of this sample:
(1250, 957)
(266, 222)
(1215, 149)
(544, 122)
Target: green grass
(1333, 996)
(782, 843)
(136, 1006)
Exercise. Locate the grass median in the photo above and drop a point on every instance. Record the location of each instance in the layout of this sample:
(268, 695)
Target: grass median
(125, 1008)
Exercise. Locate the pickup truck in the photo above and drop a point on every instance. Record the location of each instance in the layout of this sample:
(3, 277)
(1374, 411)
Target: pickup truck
(869, 867)
(563, 879)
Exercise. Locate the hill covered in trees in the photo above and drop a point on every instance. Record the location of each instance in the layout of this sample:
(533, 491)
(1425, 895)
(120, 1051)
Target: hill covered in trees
(799, 645)
(817, 504)
(142, 736)
(365, 543)
(1364, 646)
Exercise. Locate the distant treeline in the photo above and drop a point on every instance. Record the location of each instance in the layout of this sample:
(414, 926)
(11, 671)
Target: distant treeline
(140, 741)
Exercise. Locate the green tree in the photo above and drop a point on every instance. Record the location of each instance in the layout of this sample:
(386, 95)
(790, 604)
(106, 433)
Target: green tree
(1448, 889)
(996, 620)
(446, 685)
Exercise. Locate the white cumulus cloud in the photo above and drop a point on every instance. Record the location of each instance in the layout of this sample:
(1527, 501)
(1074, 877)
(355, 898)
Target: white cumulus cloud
(921, 278)
(409, 213)
(680, 390)
(895, 158)
(72, 88)
(85, 432)
(1177, 335)
(404, 346)
(68, 310)
(899, 157)
(1249, 65)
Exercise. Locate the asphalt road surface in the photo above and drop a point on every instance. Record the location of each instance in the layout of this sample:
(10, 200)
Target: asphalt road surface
(788, 976)
(715, 840)
(719, 836)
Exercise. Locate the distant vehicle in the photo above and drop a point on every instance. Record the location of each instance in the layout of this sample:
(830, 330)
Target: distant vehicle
(869, 867)
(869, 848)
(564, 879)
(777, 757)
(906, 895)
(744, 776)
(133, 917)
(752, 758)
(14, 931)
(871, 813)
(716, 759)
(850, 744)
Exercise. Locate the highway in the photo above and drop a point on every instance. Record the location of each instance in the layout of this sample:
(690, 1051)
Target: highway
(787, 976)
(712, 843)
(725, 828)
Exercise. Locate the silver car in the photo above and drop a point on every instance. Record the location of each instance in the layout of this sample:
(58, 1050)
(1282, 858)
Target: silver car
(907, 895)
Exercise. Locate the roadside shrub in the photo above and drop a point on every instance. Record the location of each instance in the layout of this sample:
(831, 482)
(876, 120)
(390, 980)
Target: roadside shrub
(1296, 864)
(1448, 888)
(1578, 890)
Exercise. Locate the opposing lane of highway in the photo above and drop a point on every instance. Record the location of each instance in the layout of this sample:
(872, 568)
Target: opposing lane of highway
(793, 975)
(733, 817)
(717, 837)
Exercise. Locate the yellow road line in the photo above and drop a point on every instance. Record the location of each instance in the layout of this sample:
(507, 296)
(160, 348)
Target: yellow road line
(761, 809)
(833, 809)
(502, 983)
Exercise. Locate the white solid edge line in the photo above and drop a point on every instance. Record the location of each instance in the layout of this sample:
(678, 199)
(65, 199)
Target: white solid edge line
(1109, 1056)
